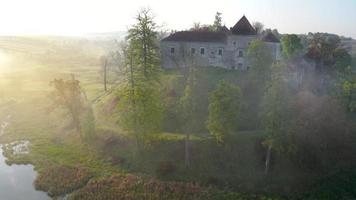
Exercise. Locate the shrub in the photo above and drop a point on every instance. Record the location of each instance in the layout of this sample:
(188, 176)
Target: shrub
(165, 168)
(60, 180)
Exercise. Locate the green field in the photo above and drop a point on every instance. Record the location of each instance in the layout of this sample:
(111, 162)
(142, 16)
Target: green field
(27, 66)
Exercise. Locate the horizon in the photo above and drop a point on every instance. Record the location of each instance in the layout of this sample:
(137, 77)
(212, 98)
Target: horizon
(40, 17)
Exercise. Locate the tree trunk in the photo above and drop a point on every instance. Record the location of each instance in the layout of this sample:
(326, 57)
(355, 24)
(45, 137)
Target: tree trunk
(105, 69)
(187, 154)
(268, 159)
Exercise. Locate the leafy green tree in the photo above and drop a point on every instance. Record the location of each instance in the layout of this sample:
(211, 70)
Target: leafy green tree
(291, 45)
(224, 107)
(259, 58)
(348, 88)
(140, 105)
(68, 94)
(320, 132)
(342, 59)
(189, 110)
(275, 112)
(321, 49)
(143, 45)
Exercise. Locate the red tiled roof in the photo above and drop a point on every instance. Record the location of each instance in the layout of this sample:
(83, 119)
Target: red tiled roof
(243, 27)
(196, 36)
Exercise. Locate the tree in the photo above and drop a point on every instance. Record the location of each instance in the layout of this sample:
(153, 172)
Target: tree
(104, 66)
(291, 45)
(140, 104)
(342, 59)
(217, 25)
(89, 125)
(348, 88)
(320, 133)
(259, 59)
(273, 31)
(189, 110)
(275, 112)
(258, 26)
(197, 26)
(224, 107)
(143, 45)
(69, 94)
(321, 49)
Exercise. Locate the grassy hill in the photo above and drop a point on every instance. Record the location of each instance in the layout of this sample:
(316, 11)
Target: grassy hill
(28, 64)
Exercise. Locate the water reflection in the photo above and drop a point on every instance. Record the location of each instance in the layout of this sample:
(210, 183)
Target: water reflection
(16, 182)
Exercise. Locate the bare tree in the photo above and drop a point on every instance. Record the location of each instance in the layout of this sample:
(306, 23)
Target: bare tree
(104, 66)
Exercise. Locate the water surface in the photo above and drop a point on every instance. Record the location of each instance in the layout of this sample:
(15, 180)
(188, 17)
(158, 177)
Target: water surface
(16, 182)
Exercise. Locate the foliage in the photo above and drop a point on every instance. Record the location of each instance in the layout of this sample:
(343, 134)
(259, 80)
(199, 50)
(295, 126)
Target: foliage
(337, 186)
(275, 108)
(70, 95)
(165, 168)
(342, 59)
(140, 103)
(217, 25)
(291, 45)
(141, 113)
(258, 26)
(60, 180)
(189, 102)
(320, 133)
(324, 49)
(133, 187)
(142, 51)
(259, 58)
(224, 107)
(89, 125)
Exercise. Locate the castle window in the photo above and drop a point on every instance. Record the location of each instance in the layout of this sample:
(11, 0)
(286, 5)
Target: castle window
(241, 53)
(240, 65)
(172, 50)
(220, 52)
(202, 51)
(234, 43)
(192, 51)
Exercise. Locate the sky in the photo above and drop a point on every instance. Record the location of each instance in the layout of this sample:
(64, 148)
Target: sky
(78, 17)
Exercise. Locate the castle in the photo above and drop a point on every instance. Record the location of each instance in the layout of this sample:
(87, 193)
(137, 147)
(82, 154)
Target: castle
(226, 48)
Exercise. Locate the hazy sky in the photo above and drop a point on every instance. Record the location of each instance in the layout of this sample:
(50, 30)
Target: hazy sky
(76, 17)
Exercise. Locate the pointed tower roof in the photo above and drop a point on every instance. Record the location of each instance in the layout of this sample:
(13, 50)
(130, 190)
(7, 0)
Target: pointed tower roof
(224, 29)
(243, 27)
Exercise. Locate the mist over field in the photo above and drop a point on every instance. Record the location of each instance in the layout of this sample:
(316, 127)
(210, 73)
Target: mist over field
(221, 109)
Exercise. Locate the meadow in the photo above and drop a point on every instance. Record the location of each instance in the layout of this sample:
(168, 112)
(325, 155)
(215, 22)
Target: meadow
(65, 163)
(107, 166)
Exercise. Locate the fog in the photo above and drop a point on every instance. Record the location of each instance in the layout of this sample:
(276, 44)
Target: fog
(206, 112)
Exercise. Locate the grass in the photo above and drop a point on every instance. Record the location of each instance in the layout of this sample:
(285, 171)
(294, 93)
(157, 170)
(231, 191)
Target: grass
(29, 64)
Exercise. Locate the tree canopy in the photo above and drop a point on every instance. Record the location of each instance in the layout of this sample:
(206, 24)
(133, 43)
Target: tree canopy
(291, 45)
(224, 107)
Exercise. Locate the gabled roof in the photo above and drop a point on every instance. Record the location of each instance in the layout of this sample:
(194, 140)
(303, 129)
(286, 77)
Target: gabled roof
(243, 27)
(224, 29)
(270, 37)
(197, 36)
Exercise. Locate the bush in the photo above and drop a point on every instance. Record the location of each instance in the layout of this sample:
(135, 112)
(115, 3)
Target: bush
(60, 180)
(165, 168)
